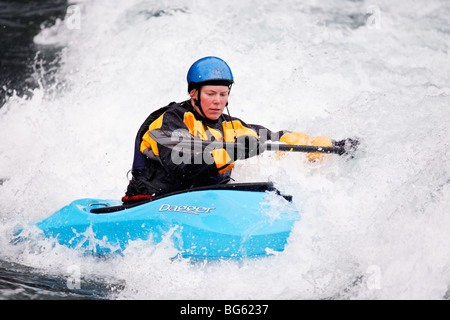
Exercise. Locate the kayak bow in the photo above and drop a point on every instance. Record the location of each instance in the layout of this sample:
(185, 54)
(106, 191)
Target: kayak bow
(223, 221)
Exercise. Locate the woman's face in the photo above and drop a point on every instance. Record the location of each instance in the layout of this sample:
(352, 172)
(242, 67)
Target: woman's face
(213, 100)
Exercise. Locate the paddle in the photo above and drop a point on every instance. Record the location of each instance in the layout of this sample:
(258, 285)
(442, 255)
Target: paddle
(182, 138)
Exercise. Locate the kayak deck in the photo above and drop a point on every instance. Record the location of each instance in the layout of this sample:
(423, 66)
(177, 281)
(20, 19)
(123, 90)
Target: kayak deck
(257, 187)
(225, 221)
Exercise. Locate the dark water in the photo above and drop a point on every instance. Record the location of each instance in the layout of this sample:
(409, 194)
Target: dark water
(19, 282)
(20, 58)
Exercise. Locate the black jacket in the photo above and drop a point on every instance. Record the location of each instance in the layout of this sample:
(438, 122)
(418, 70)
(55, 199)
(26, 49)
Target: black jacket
(154, 170)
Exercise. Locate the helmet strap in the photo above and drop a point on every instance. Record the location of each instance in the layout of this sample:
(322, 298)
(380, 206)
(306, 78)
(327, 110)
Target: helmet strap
(198, 103)
(232, 124)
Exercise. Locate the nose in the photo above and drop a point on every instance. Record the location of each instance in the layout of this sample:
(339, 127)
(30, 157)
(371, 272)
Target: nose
(216, 99)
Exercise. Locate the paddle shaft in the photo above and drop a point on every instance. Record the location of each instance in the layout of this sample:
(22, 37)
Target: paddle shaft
(206, 144)
(183, 140)
(302, 148)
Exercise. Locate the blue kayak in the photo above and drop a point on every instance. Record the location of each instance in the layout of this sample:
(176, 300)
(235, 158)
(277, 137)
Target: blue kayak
(224, 221)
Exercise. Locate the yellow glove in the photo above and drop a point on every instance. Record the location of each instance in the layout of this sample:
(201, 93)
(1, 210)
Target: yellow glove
(296, 138)
(319, 142)
(306, 140)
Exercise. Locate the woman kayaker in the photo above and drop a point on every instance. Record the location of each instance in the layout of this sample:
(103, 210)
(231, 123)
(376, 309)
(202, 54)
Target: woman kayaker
(155, 170)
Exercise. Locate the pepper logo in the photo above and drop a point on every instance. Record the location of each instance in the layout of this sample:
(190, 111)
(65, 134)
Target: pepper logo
(185, 209)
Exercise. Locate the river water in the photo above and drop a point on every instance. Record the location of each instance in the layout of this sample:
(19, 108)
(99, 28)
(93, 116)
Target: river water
(89, 72)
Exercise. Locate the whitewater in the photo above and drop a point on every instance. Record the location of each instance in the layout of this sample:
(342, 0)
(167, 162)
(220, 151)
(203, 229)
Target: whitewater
(372, 227)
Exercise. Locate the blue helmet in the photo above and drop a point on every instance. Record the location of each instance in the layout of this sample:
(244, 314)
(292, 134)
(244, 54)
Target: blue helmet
(209, 70)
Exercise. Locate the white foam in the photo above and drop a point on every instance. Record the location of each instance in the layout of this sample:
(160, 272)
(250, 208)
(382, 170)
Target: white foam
(372, 227)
